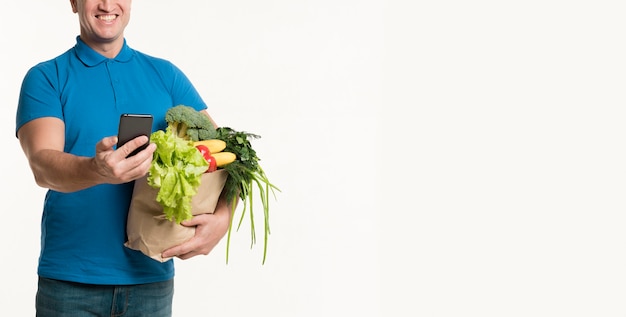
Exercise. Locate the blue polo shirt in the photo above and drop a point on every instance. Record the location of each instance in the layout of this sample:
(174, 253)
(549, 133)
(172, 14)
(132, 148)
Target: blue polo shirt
(83, 233)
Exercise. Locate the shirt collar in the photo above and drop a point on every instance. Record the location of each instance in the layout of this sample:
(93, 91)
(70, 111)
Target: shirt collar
(91, 58)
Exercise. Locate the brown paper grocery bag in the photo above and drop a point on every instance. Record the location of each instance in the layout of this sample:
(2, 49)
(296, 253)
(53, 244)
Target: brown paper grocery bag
(147, 228)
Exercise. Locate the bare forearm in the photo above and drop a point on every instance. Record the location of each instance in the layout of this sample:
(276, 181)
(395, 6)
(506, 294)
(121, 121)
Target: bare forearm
(64, 172)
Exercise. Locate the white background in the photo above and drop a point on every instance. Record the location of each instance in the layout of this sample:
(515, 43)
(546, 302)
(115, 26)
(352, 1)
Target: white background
(436, 158)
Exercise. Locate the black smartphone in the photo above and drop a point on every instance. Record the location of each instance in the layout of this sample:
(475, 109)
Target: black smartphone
(131, 126)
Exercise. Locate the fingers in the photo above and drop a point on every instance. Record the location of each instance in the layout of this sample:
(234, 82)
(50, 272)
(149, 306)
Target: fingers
(132, 145)
(197, 220)
(184, 256)
(107, 143)
(114, 164)
(202, 243)
(184, 251)
(188, 255)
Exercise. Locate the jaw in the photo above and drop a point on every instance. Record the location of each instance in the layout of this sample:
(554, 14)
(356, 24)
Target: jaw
(106, 26)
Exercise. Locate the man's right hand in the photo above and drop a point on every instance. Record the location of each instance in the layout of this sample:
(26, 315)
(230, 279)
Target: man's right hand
(115, 166)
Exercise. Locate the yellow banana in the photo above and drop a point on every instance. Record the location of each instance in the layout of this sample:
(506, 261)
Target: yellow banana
(214, 145)
(223, 158)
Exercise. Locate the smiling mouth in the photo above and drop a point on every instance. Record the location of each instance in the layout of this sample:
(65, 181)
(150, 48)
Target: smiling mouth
(107, 17)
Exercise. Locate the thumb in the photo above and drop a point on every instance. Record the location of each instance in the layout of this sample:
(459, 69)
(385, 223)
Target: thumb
(106, 144)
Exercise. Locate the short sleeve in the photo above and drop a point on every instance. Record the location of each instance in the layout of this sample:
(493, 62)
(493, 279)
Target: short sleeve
(39, 95)
(184, 92)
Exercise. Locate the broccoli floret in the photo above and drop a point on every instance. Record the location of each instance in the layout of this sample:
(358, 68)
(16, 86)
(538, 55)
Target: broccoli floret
(188, 123)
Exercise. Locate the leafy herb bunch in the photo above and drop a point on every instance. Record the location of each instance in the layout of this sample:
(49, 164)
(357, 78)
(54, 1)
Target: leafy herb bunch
(244, 174)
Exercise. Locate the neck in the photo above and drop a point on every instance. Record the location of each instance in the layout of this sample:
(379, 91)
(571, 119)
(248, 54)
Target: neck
(107, 49)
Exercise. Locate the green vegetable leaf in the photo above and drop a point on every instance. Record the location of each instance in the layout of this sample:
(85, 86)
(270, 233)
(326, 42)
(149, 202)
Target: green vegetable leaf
(176, 170)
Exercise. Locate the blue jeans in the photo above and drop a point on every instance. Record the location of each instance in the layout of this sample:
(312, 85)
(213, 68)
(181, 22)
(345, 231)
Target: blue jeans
(67, 299)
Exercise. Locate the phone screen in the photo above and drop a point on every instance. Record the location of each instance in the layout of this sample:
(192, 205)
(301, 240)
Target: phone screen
(132, 126)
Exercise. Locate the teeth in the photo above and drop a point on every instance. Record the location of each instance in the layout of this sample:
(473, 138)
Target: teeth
(107, 17)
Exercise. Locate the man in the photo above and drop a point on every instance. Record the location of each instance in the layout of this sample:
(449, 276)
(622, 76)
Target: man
(67, 120)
